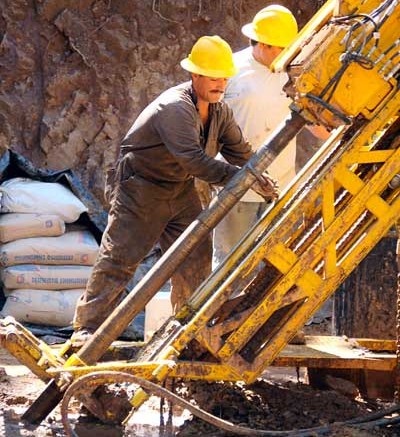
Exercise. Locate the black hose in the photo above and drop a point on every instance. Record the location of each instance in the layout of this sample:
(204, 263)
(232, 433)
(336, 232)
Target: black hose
(332, 109)
(112, 377)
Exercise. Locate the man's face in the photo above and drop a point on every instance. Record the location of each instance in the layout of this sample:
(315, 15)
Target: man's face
(209, 89)
(269, 53)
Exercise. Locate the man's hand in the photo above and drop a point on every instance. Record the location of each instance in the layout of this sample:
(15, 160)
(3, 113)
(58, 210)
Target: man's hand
(267, 187)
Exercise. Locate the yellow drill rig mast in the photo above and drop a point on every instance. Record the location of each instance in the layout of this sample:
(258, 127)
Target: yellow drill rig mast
(344, 75)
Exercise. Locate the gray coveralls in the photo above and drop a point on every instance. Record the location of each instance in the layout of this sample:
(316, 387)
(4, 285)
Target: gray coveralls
(154, 198)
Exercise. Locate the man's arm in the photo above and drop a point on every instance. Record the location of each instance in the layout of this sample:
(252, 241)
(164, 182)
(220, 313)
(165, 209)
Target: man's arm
(177, 126)
(318, 131)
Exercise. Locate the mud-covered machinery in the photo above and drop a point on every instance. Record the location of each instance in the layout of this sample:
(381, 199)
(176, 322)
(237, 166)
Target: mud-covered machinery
(344, 74)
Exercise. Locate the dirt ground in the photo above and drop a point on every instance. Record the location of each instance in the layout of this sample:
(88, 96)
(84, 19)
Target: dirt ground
(281, 400)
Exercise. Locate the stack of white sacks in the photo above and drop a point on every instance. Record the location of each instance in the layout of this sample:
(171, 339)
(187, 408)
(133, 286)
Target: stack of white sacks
(44, 268)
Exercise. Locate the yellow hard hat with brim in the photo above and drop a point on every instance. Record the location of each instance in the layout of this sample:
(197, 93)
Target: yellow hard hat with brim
(210, 56)
(274, 25)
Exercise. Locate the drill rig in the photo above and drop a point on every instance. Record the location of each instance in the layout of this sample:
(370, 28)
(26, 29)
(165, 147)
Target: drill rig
(344, 75)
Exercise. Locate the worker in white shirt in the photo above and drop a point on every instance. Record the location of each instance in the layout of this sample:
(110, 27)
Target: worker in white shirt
(259, 104)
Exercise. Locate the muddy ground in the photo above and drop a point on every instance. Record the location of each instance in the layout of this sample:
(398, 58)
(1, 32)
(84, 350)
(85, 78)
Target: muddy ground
(281, 400)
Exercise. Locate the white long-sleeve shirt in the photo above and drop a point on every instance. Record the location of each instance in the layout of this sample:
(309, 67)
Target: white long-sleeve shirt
(259, 104)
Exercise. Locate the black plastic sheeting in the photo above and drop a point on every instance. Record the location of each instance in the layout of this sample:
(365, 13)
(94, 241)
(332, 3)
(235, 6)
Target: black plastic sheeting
(14, 165)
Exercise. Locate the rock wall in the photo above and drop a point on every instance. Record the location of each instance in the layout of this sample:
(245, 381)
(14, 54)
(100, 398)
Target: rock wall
(76, 73)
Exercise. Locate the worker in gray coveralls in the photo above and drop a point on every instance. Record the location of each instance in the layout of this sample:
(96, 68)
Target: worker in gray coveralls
(174, 140)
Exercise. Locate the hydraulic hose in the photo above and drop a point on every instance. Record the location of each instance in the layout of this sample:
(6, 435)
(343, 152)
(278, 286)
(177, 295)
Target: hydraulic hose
(110, 377)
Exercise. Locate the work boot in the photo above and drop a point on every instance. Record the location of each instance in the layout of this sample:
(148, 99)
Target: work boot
(81, 336)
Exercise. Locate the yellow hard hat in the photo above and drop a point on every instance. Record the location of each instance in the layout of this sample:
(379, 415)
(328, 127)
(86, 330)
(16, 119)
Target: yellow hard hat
(274, 25)
(210, 56)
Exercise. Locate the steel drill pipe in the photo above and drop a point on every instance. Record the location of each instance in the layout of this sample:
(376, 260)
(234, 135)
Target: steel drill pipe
(141, 294)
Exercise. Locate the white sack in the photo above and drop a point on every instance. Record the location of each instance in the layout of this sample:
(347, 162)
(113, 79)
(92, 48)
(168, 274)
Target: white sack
(14, 226)
(44, 307)
(45, 277)
(27, 195)
(77, 247)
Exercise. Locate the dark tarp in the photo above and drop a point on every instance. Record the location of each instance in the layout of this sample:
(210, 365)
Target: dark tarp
(14, 165)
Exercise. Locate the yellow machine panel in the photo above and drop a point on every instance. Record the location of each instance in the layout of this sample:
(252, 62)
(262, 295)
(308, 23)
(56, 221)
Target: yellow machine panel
(347, 69)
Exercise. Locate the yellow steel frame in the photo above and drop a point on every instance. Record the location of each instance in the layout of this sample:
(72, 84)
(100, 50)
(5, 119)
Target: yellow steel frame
(317, 233)
(361, 88)
(318, 352)
(28, 349)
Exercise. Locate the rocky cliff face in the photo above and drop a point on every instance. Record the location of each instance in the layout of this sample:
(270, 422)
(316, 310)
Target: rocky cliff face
(76, 73)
